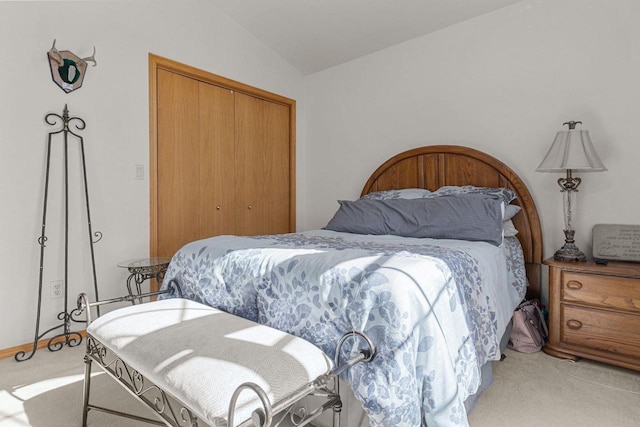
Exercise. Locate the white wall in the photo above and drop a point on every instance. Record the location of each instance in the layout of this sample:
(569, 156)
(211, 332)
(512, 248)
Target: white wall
(503, 83)
(114, 103)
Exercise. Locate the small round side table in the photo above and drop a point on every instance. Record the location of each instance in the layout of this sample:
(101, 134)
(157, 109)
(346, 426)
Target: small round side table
(142, 269)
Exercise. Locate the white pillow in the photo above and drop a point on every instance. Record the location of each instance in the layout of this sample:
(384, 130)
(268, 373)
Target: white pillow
(405, 193)
(508, 229)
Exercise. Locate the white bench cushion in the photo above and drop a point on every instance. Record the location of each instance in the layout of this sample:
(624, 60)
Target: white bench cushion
(201, 355)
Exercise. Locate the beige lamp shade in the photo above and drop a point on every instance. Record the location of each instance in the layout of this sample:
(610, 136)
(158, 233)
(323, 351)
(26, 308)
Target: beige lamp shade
(572, 149)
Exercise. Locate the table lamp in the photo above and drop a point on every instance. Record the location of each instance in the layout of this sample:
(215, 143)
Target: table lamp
(571, 151)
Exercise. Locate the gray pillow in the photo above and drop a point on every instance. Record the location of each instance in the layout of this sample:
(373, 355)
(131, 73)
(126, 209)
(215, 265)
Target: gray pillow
(476, 217)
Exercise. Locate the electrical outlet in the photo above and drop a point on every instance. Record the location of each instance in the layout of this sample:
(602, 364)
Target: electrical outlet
(57, 290)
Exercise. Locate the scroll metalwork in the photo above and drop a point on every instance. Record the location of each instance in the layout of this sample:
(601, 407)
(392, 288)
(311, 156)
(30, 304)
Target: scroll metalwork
(69, 126)
(163, 404)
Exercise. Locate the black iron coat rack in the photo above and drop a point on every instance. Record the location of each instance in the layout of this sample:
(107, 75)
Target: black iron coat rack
(66, 337)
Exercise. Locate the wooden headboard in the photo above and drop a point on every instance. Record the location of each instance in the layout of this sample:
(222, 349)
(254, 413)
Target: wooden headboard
(433, 166)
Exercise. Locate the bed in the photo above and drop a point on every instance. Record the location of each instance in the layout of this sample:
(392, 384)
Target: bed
(438, 310)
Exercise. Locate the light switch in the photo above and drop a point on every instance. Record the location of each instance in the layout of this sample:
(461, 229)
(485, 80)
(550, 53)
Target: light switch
(139, 171)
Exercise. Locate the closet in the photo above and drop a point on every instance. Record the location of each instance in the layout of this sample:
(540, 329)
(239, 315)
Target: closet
(222, 158)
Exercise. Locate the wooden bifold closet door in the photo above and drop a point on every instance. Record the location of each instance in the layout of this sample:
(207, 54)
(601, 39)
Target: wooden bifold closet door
(222, 159)
(262, 178)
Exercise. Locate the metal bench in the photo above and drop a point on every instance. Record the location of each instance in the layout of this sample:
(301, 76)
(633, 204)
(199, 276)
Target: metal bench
(195, 365)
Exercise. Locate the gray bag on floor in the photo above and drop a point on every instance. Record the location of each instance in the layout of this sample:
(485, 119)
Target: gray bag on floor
(529, 331)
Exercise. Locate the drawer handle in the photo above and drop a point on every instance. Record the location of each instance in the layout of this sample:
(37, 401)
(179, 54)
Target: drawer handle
(574, 324)
(218, 207)
(572, 284)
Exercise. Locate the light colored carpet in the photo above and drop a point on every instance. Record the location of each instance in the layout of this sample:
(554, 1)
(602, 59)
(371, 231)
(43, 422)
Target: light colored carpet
(534, 390)
(530, 390)
(46, 391)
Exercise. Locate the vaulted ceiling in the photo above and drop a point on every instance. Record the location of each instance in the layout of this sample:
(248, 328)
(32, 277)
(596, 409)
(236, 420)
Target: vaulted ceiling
(313, 35)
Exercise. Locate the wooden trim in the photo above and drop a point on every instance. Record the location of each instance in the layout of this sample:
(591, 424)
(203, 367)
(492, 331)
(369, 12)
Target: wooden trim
(433, 166)
(292, 167)
(153, 155)
(157, 63)
(11, 351)
(160, 62)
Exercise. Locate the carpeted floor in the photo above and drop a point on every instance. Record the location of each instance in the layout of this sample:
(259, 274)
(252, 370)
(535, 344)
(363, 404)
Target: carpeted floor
(533, 390)
(530, 390)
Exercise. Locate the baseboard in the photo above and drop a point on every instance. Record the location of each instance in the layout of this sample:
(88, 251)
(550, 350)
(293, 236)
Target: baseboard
(11, 351)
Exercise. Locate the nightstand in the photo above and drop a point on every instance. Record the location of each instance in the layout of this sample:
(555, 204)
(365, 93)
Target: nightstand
(594, 312)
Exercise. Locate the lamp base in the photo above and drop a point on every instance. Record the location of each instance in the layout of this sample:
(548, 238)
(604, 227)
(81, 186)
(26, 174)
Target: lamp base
(569, 252)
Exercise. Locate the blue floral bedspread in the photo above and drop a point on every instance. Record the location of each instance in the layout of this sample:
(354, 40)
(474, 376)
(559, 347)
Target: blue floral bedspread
(436, 309)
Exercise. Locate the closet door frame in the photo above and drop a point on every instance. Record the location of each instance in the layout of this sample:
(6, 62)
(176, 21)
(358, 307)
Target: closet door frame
(160, 63)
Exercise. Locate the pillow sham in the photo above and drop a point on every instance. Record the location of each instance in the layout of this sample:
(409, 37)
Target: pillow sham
(405, 193)
(505, 194)
(475, 217)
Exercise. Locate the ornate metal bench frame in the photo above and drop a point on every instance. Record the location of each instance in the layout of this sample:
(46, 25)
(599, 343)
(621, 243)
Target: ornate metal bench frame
(170, 411)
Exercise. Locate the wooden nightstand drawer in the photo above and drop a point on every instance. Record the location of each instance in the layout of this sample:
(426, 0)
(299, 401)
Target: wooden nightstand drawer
(610, 292)
(613, 332)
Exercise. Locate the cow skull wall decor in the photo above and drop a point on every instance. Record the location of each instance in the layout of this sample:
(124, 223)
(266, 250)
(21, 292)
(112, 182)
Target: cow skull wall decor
(67, 70)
